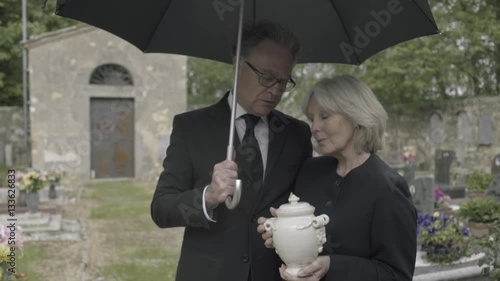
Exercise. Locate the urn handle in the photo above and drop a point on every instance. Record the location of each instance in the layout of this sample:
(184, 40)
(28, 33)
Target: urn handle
(320, 221)
(269, 224)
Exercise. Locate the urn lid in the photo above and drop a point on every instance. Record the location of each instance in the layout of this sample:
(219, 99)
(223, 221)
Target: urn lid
(294, 208)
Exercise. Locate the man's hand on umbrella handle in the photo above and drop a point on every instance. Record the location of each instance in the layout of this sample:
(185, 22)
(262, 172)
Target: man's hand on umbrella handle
(223, 183)
(266, 235)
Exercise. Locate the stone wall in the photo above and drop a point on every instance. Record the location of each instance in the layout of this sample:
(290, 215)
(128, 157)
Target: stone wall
(12, 149)
(469, 127)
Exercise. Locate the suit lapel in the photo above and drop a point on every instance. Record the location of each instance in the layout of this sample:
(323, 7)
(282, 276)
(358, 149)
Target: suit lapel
(219, 132)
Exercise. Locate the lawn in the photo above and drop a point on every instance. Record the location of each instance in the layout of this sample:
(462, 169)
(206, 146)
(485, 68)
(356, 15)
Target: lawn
(123, 243)
(137, 249)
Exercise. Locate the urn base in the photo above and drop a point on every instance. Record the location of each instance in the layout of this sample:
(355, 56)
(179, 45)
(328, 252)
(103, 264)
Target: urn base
(293, 270)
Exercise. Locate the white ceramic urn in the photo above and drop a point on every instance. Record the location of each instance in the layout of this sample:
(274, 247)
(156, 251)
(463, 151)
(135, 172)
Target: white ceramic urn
(298, 236)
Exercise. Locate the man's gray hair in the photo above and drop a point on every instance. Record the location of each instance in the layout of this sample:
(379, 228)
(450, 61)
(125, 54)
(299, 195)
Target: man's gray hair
(253, 35)
(351, 97)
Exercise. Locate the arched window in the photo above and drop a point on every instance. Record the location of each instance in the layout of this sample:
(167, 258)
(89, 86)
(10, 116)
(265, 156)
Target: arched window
(111, 74)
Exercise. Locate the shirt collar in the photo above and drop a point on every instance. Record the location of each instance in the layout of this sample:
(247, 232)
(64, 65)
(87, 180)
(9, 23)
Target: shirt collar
(240, 111)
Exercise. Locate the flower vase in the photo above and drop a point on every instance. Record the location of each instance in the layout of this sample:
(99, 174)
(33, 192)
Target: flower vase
(33, 200)
(52, 190)
(479, 229)
(21, 201)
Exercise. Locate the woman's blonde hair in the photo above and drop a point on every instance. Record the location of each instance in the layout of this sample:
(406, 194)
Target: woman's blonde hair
(351, 97)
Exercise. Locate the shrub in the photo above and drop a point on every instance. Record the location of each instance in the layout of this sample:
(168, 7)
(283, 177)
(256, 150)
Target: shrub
(480, 210)
(491, 249)
(478, 181)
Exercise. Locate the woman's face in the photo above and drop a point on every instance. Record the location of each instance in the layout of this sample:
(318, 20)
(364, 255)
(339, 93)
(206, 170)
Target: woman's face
(333, 131)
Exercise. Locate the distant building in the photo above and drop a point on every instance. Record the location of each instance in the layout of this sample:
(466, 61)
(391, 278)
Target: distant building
(100, 107)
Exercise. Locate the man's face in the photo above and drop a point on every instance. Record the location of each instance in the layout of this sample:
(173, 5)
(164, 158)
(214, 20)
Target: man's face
(271, 59)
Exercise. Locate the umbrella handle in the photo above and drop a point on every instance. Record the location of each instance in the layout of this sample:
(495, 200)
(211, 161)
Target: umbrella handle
(232, 201)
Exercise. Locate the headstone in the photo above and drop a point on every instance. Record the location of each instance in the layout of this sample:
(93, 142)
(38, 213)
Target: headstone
(2, 153)
(436, 133)
(423, 197)
(464, 128)
(8, 155)
(494, 188)
(495, 165)
(409, 174)
(485, 129)
(443, 161)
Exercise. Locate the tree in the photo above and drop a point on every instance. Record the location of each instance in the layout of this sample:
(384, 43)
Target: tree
(208, 80)
(39, 20)
(462, 61)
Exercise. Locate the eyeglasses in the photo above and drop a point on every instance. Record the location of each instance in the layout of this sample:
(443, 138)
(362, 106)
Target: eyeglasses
(268, 80)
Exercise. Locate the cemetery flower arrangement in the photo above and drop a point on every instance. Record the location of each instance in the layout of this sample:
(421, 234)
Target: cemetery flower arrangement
(408, 155)
(441, 199)
(56, 174)
(33, 181)
(10, 251)
(444, 238)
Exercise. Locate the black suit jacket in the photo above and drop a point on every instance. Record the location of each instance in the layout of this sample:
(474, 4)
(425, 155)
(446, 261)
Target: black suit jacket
(372, 233)
(228, 249)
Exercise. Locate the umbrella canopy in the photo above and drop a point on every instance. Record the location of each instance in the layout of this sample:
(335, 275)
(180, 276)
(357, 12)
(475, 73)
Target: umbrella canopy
(334, 31)
(330, 31)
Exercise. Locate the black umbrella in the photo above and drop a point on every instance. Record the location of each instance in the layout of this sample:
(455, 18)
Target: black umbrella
(330, 31)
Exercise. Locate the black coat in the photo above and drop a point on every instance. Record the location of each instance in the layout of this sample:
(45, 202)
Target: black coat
(228, 249)
(372, 231)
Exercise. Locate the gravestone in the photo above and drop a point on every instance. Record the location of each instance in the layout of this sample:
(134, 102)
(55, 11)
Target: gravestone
(409, 174)
(464, 128)
(443, 161)
(423, 197)
(494, 188)
(436, 132)
(8, 155)
(485, 129)
(495, 165)
(2, 153)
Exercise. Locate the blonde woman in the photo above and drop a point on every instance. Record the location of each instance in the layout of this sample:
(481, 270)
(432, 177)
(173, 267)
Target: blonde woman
(373, 222)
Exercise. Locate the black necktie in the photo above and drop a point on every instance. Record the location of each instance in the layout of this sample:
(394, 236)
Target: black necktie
(249, 152)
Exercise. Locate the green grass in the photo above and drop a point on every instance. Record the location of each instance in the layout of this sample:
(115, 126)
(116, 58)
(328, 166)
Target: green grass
(119, 200)
(123, 212)
(129, 245)
(32, 253)
(133, 272)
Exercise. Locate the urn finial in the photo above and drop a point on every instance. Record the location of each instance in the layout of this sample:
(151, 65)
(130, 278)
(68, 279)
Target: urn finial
(293, 199)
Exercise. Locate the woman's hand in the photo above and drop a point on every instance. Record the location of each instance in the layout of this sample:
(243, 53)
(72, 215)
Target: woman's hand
(266, 235)
(313, 272)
